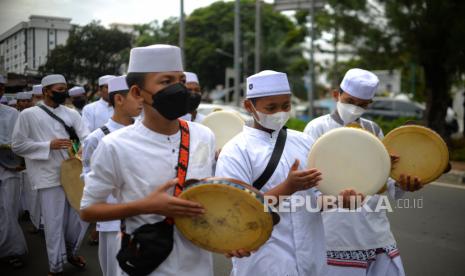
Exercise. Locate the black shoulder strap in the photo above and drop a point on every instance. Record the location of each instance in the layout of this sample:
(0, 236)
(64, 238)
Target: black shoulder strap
(69, 130)
(105, 130)
(274, 160)
(53, 115)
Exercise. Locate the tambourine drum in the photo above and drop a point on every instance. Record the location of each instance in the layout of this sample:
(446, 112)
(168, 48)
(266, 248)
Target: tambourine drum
(8, 159)
(423, 153)
(235, 216)
(71, 170)
(225, 125)
(350, 158)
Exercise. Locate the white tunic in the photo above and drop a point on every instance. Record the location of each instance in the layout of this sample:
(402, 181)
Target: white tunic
(8, 117)
(132, 162)
(96, 114)
(88, 148)
(296, 246)
(31, 139)
(355, 230)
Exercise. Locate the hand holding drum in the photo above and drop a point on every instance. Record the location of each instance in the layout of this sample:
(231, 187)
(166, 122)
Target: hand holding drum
(234, 222)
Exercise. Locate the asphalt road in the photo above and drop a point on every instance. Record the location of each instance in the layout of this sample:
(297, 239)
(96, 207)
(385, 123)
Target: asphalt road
(431, 238)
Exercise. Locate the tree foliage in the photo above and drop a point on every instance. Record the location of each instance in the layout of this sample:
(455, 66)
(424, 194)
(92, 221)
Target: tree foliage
(210, 30)
(424, 38)
(90, 52)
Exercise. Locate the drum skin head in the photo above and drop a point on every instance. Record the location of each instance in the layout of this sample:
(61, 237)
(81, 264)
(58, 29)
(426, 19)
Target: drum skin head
(423, 153)
(8, 159)
(225, 125)
(234, 218)
(70, 176)
(350, 158)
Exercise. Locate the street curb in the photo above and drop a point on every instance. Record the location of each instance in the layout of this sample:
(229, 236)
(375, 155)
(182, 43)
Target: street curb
(453, 177)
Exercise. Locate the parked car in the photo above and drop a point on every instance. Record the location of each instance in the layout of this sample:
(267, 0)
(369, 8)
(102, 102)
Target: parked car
(320, 107)
(390, 108)
(206, 109)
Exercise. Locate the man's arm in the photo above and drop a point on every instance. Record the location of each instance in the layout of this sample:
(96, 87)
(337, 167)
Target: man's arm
(104, 178)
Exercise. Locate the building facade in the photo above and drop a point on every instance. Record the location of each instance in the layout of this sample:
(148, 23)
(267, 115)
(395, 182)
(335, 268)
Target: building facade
(26, 46)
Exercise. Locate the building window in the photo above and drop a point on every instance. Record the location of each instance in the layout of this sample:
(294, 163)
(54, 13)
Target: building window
(51, 42)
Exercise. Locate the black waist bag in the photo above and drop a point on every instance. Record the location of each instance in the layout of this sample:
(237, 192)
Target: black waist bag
(143, 251)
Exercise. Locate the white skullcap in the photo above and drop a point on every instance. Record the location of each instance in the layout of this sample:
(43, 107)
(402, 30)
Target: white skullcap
(53, 79)
(155, 58)
(2, 79)
(191, 77)
(24, 95)
(12, 102)
(4, 100)
(360, 83)
(267, 83)
(103, 80)
(118, 84)
(37, 89)
(76, 91)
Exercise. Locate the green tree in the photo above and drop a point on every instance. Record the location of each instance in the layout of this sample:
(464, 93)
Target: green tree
(211, 28)
(424, 38)
(90, 51)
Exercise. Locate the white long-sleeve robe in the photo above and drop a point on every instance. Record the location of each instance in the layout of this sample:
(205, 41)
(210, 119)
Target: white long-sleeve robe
(296, 246)
(32, 134)
(108, 230)
(12, 241)
(8, 117)
(96, 114)
(131, 163)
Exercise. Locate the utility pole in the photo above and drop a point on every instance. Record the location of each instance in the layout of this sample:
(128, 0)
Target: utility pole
(311, 65)
(182, 32)
(237, 53)
(258, 35)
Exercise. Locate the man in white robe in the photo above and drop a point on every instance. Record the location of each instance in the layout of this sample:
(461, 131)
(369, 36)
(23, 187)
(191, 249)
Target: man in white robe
(296, 246)
(37, 96)
(359, 243)
(24, 100)
(29, 198)
(12, 241)
(126, 107)
(96, 114)
(78, 98)
(138, 164)
(192, 83)
(44, 143)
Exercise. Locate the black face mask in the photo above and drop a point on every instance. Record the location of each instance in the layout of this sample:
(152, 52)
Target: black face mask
(59, 97)
(79, 102)
(175, 101)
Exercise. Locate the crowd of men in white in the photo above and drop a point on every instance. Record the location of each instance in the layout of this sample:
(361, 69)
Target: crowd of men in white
(130, 143)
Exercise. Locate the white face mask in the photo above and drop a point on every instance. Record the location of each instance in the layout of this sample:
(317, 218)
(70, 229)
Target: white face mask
(349, 112)
(274, 121)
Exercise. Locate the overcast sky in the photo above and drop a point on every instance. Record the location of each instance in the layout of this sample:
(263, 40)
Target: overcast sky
(83, 11)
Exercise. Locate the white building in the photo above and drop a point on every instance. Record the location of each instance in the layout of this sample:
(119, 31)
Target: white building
(27, 45)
